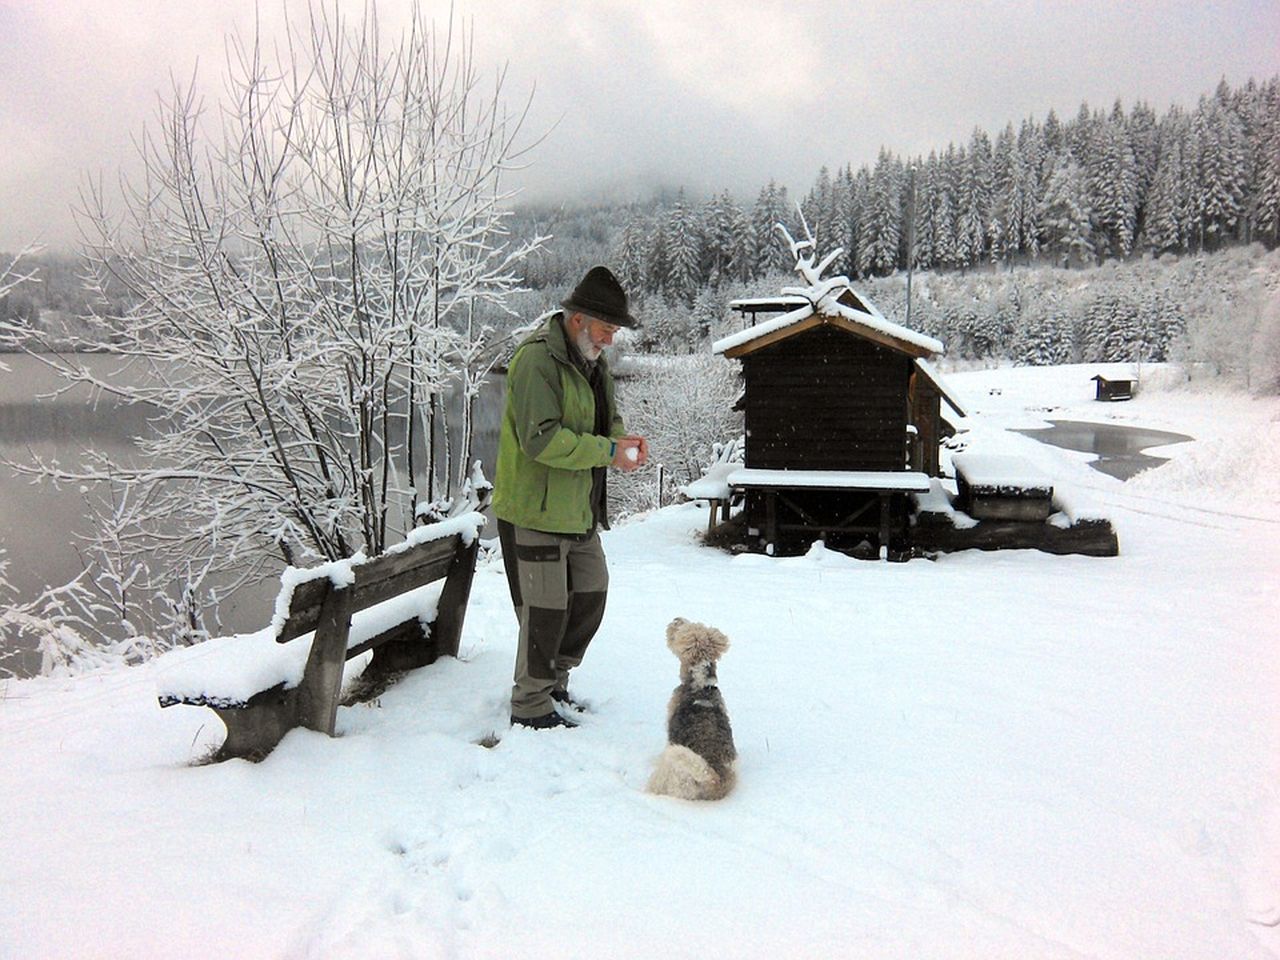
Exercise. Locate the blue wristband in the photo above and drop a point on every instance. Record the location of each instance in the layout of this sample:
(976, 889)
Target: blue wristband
(613, 449)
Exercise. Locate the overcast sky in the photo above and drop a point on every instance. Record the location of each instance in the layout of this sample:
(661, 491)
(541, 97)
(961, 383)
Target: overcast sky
(705, 94)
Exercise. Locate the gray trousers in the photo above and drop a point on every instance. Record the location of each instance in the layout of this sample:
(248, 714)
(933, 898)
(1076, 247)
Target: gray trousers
(558, 586)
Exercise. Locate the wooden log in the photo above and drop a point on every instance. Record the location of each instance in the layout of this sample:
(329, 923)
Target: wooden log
(1091, 538)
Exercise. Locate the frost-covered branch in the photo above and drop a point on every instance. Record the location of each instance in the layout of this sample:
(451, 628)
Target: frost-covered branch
(304, 255)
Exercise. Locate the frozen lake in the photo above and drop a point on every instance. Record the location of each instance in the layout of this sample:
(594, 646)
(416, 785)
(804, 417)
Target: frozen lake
(41, 526)
(1119, 448)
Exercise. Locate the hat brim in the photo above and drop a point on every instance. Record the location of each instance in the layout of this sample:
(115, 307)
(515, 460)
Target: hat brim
(626, 320)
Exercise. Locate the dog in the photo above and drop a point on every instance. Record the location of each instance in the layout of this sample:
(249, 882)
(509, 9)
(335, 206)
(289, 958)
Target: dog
(698, 762)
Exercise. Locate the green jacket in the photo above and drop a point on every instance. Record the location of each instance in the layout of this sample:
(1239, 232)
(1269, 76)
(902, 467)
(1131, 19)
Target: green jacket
(548, 445)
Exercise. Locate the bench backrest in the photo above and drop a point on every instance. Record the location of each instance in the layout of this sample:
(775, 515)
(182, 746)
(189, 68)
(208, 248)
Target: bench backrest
(375, 581)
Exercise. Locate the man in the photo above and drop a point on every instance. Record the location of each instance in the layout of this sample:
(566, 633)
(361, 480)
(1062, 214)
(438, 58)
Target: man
(560, 433)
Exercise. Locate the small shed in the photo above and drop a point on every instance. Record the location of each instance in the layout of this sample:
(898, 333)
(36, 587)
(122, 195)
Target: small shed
(1115, 388)
(842, 412)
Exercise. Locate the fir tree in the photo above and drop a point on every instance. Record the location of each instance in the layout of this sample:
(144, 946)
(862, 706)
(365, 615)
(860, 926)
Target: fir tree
(1166, 219)
(882, 219)
(1113, 186)
(683, 252)
(1065, 215)
(770, 210)
(1220, 168)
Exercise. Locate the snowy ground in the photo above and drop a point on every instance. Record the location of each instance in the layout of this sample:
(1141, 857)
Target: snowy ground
(993, 755)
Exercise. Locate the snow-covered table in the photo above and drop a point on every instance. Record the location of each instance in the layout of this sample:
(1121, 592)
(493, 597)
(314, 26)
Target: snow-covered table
(776, 484)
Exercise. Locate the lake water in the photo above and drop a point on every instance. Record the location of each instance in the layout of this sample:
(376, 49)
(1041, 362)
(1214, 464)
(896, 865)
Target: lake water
(1120, 449)
(40, 525)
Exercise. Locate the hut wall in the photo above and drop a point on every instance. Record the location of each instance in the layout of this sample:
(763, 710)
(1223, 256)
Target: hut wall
(926, 414)
(825, 400)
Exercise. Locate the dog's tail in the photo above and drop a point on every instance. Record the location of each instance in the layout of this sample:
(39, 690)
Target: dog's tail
(682, 773)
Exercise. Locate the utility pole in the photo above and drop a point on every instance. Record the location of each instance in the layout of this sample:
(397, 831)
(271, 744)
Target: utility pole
(911, 234)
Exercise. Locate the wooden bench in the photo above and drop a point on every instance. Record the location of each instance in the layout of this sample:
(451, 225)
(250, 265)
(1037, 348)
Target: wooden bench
(323, 602)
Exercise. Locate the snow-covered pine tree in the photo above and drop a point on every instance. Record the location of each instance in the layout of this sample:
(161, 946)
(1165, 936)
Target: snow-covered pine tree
(816, 208)
(771, 208)
(838, 224)
(926, 202)
(974, 214)
(856, 228)
(1031, 153)
(629, 254)
(1001, 233)
(1144, 141)
(882, 218)
(1065, 215)
(946, 248)
(655, 256)
(1112, 183)
(717, 238)
(1166, 223)
(1266, 211)
(684, 251)
(1219, 186)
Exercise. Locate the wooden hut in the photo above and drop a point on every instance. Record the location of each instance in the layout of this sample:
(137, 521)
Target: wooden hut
(1114, 388)
(843, 419)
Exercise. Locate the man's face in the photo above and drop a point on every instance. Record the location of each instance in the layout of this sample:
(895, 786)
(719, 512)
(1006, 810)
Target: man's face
(590, 335)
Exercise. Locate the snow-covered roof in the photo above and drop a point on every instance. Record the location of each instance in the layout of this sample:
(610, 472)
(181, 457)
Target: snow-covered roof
(820, 301)
(870, 323)
(764, 304)
(931, 373)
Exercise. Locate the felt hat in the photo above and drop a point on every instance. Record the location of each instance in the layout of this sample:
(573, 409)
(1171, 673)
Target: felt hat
(600, 295)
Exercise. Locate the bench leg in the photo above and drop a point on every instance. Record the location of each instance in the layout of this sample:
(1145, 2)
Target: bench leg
(884, 526)
(451, 611)
(770, 521)
(322, 678)
(254, 729)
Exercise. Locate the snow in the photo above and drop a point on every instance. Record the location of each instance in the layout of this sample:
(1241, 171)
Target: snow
(964, 758)
(1001, 471)
(830, 479)
(713, 485)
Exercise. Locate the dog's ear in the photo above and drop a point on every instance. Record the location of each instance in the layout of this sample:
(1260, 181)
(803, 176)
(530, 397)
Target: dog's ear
(672, 628)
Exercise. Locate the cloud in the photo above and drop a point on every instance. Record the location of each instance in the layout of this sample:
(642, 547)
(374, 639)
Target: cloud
(707, 94)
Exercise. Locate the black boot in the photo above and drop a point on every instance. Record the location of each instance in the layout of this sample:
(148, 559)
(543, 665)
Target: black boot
(548, 721)
(565, 700)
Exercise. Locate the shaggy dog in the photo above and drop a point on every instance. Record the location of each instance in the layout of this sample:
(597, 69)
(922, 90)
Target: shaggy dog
(698, 761)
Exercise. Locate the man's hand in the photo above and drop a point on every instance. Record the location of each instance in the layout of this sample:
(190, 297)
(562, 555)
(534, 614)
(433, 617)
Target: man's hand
(631, 454)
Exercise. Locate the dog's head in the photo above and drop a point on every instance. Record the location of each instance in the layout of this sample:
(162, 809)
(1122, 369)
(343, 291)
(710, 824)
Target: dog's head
(695, 642)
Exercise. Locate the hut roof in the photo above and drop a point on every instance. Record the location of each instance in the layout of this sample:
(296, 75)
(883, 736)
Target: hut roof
(927, 370)
(838, 305)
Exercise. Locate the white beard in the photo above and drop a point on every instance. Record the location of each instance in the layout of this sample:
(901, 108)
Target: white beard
(588, 349)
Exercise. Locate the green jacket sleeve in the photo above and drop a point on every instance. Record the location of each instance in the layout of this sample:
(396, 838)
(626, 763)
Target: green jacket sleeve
(538, 404)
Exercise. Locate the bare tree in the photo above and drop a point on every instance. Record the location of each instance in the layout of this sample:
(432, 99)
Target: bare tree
(305, 259)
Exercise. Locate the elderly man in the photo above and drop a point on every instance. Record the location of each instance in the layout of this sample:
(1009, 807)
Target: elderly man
(560, 433)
